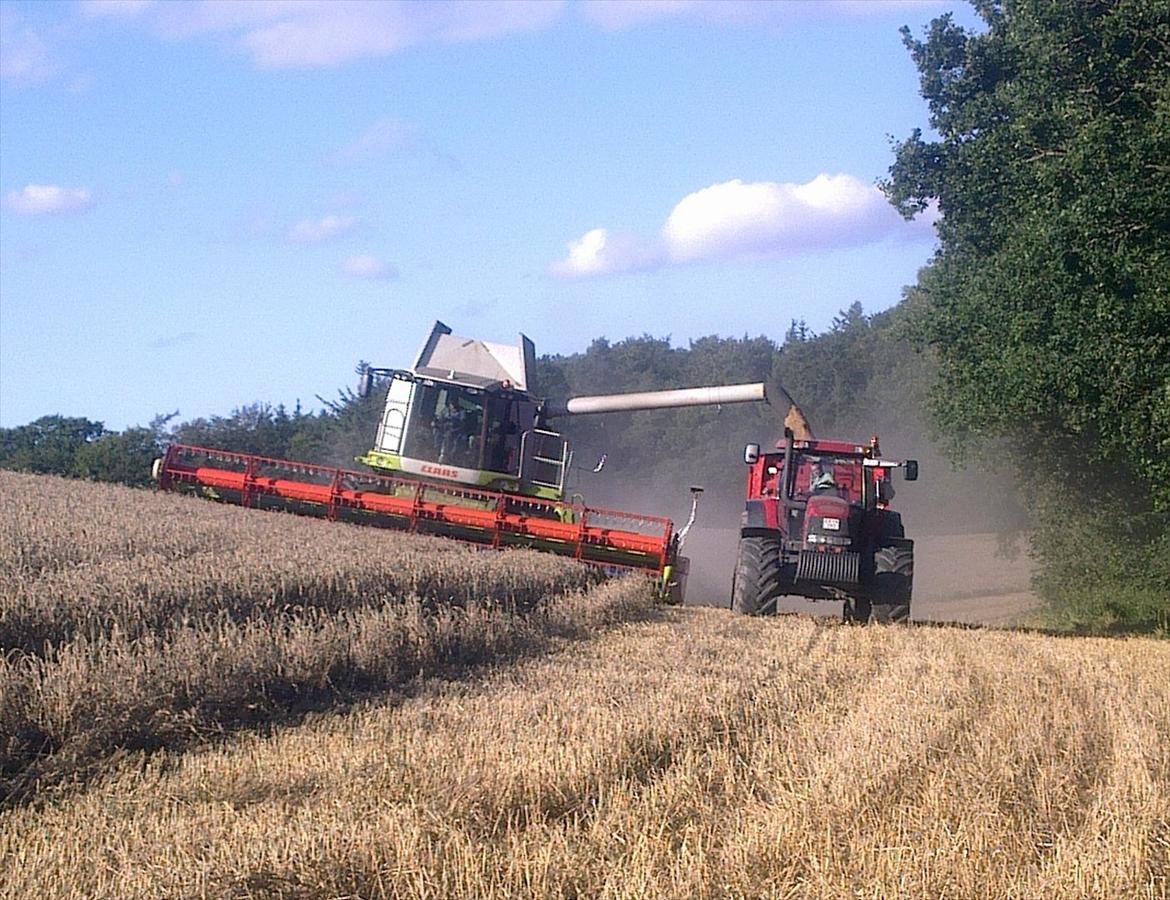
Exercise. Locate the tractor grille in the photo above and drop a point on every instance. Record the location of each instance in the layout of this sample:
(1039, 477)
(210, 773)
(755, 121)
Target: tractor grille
(827, 568)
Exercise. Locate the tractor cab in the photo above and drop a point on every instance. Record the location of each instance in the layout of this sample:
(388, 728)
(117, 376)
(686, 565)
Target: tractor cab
(798, 471)
(826, 474)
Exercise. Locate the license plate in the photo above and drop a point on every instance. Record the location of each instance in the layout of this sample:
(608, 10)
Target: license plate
(831, 524)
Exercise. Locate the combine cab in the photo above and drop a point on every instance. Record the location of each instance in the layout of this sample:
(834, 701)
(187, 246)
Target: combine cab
(817, 524)
(464, 450)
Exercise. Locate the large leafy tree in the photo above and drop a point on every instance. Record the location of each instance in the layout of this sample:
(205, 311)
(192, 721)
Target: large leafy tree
(1048, 303)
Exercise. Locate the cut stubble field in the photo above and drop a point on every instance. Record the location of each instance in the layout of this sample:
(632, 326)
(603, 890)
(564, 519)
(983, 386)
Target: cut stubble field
(506, 726)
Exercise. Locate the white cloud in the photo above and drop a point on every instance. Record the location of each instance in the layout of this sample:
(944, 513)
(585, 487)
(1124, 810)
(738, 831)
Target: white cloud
(367, 266)
(770, 218)
(749, 220)
(618, 16)
(24, 56)
(277, 34)
(615, 16)
(324, 33)
(598, 252)
(310, 231)
(38, 199)
(115, 8)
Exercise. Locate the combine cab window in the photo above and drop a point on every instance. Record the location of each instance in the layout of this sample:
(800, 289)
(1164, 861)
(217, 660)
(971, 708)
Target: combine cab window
(457, 426)
(502, 436)
(445, 425)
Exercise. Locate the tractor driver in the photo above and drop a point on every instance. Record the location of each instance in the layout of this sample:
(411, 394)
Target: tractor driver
(821, 479)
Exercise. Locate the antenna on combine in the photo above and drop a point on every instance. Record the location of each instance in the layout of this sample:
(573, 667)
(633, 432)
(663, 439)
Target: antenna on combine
(366, 375)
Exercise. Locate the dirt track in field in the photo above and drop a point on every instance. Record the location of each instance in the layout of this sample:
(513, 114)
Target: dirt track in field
(957, 578)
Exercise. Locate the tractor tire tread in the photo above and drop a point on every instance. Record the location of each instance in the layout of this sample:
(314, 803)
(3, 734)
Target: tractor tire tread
(893, 584)
(758, 579)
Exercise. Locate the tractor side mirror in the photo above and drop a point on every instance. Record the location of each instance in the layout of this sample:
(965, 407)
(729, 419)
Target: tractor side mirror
(751, 453)
(910, 470)
(365, 379)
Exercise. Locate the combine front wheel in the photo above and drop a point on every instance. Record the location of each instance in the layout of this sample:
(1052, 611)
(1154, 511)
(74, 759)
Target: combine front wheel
(756, 584)
(893, 579)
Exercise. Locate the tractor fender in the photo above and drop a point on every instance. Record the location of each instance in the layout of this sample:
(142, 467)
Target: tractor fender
(760, 514)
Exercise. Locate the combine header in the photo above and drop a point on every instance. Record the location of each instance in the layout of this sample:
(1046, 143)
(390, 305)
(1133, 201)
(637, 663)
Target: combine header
(465, 451)
(491, 518)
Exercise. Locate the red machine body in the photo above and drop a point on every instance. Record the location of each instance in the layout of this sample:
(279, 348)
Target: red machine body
(817, 524)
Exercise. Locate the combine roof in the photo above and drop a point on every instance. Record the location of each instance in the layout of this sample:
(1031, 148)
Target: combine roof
(473, 362)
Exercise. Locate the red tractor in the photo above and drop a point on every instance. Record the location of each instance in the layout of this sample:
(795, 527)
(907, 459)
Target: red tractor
(818, 525)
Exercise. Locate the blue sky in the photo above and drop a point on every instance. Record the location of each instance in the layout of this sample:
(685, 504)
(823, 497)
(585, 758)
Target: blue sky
(209, 204)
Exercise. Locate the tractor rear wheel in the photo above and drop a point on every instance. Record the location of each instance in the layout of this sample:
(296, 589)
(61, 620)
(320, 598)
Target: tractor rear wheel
(893, 580)
(757, 582)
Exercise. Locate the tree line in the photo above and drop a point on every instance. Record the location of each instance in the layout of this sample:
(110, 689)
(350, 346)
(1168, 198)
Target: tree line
(1047, 306)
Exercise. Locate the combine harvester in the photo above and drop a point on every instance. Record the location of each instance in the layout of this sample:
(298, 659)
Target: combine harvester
(464, 450)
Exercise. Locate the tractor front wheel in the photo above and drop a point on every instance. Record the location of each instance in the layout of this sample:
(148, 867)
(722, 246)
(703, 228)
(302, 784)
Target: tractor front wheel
(757, 582)
(893, 579)
(857, 610)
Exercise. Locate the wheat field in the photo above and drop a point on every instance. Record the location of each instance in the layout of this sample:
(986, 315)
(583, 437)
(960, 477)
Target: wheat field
(132, 621)
(610, 748)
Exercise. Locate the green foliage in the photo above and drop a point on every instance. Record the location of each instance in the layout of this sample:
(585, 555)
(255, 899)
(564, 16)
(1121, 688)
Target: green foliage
(259, 428)
(349, 426)
(1048, 304)
(344, 430)
(80, 448)
(828, 376)
(1096, 585)
(47, 445)
(124, 457)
